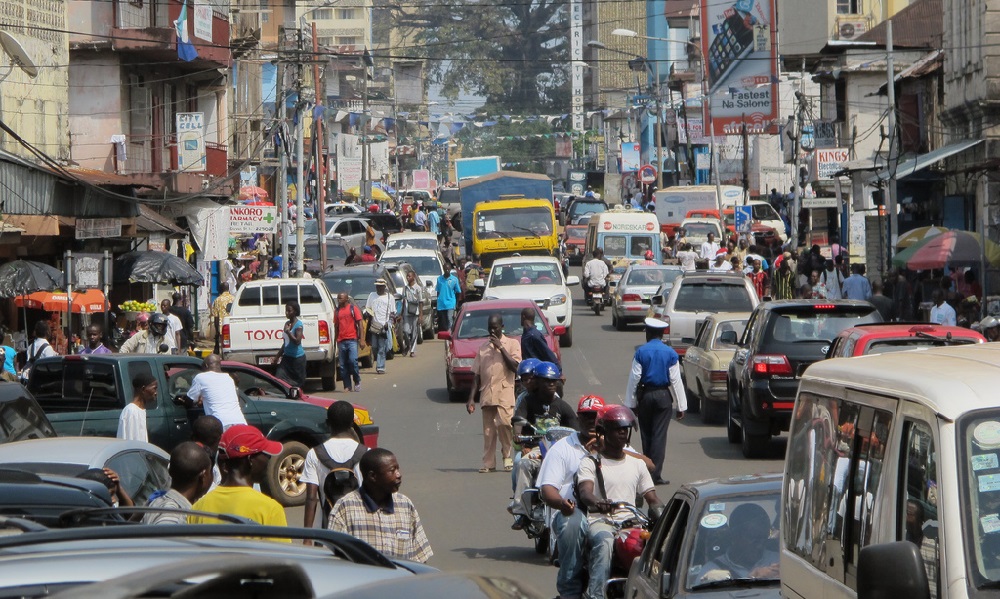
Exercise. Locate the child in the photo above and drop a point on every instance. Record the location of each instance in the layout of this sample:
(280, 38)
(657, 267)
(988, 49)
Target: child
(132, 421)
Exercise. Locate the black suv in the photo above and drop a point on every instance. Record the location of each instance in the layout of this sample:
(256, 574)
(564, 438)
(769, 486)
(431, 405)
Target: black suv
(20, 415)
(781, 340)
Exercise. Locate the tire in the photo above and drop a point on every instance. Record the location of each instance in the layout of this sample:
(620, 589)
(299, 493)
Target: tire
(734, 432)
(542, 543)
(755, 446)
(567, 339)
(711, 412)
(694, 403)
(453, 395)
(420, 339)
(329, 382)
(619, 323)
(283, 473)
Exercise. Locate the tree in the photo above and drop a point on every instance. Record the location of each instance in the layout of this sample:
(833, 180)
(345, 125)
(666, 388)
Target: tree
(523, 144)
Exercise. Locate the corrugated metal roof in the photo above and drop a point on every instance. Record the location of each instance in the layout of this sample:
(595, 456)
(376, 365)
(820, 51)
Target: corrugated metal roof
(25, 190)
(151, 220)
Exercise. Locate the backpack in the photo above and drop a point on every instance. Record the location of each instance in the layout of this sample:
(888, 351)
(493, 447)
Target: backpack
(600, 482)
(26, 370)
(341, 479)
(471, 274)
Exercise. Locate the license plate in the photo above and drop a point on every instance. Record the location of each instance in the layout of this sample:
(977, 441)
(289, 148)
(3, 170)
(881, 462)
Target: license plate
(598, 296)
(265, 360)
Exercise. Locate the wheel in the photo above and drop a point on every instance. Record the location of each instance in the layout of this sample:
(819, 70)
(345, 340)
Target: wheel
(734, 432)
(542, 543)
(619, 323)
(754, 446)
(329, 382)
(283, 473)
(453, 395)
(420, 339)
(390, 354)
(429, 333)
(711, 411)
(694, 403)
(567, 339)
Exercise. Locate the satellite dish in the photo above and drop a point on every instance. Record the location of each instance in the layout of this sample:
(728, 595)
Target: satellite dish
(17, 54)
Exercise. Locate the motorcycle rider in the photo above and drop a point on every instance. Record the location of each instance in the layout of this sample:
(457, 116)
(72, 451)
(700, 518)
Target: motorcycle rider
(153, 340)
(541, 409)
(525, 379)
(609, 478)
(555, 481)
(595, 273)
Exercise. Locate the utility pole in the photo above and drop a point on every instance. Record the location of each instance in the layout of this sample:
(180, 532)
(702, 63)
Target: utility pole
(320, 166)
(659, 132)
(745, 138)
(281, 185)
(366, 186)
(893, 148)
(793, 218)
(300, 183)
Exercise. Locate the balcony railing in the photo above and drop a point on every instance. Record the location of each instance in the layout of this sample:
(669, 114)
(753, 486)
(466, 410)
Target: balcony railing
(151, 155)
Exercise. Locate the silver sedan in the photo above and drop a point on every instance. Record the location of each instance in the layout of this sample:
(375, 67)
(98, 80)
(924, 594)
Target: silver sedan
(630, 301)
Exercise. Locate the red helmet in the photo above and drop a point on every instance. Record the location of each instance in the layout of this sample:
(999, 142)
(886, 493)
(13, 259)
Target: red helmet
(590, 403)
(616, 416)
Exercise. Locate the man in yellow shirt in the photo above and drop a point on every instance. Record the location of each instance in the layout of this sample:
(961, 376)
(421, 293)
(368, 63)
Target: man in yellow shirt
(220, 310)
(243, 456)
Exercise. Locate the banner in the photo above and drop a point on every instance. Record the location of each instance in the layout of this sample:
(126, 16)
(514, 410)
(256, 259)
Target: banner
(630, 157)
(739, 42)
(191, 155)
(348, 161)
(203, 20)
(244, 220)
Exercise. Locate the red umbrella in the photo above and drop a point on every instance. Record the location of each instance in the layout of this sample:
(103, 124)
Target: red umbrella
(251, 192)
(90, 301)
(951, 248)
(258, 203)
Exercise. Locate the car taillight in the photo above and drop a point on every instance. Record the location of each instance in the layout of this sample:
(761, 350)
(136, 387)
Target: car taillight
(772, 364)
(225, 337)
(666, 319)
(824, 306)
(719, 376)
(631, 297)
(324, 331)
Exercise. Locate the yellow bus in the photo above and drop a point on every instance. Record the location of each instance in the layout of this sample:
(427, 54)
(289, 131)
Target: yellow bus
(513, 225)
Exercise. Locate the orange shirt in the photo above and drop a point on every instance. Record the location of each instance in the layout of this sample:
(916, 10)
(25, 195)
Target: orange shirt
(496, 381)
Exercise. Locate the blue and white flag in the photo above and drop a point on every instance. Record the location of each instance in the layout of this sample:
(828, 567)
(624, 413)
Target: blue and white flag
(185, 49)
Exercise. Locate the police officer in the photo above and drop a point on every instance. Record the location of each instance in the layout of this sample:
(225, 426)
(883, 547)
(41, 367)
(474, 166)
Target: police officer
(654, 389)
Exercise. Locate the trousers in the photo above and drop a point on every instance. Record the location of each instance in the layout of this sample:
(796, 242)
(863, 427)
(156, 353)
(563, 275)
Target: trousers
(570, 533)
(525, 471)
(654, 413)
(496, 424)
(602, 543)
(347, 356)
(411, 331)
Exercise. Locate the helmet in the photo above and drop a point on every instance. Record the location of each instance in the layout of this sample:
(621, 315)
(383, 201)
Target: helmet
(649, 254)
(615, 417)
(527, 367)
(988, 323)
(590, 403)
(158, 319)
(547, 370)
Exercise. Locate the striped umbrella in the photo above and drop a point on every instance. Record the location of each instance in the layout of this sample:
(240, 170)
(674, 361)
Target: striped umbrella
(919, 234)
(951, 248)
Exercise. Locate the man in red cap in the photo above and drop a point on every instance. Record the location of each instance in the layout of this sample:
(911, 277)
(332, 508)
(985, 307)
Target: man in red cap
(243, 456)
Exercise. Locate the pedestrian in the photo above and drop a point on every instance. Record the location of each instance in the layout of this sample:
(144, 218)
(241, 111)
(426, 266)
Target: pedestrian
(378, 514)
(533, 343)
(190, 471)
(448, 290)
(39, 348)
(856, 286)
(215, 391)
(206, 431)
(818, 289)
(885, 306)
(342, 452)
(370, 236)
(174, 324)
(94, 342)
(783, 282)
(759, 280)
(605, 480)
(719, 264)
(368, 255)
(132, 420)
(941, 312)
(347, 320)
(833, 280)
(413, 313)
(493, 369)
(221, 308)
(420, 219)
(434, 224)
(8, 372)
(244, 453)
(381, 309)
(687, 257)
(180, 310)
(154, 339)
(654, 389)
(709, 248)
(291, 358)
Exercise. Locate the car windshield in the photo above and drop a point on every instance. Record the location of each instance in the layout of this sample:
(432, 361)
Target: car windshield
(736, 539)
(514, 222)
(979, 488)
(334, 251)
(312, 226)
(355, 284)
(711, 296)
(449, 196)
(473, 324)
(576, 232)
(582, 209)
(416, 243)
(728, 326)
(653, 277)
(426, 266)
(813, 328)
(700, 229)
(505, 275)
(21, 419)
(888, 346)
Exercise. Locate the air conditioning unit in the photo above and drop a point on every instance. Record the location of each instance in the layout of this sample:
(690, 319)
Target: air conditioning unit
(849, 29)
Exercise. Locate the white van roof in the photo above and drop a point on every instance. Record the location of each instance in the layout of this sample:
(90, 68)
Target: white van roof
(951, 381)
(631, 217)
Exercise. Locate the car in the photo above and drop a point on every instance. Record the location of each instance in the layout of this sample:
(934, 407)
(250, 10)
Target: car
(451, 199)
(352, 229)
(631, 297)
(311, 227)
(141, 467)
(358, 281)
(696, 295)
(897, 336)
(575, 238)
(429, 265)
(385, 222)
(399, 272)
(20, 415)
(343, 208)
(781, 339)
(416, 195)
(706, 363)
(44, 498)
(685, 553)
(337, 250)
(540, 279)
(412, 240)
(697, 230)
(470, 331)
(579, 210)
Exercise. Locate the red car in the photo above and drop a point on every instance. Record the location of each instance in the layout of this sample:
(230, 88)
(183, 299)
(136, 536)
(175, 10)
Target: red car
(470, 331)
(576, 239)
(896, 336)
(255, 382)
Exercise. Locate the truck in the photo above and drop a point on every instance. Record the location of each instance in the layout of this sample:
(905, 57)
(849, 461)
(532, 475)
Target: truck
(84, 396)
(491, 187)
(513, 225)
(674, 203)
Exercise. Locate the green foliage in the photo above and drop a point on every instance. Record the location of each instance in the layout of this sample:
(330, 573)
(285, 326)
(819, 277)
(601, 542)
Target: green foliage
(528, 154)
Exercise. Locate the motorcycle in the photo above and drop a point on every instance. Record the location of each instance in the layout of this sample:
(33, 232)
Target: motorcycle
(596, 298)
(537, 528)
(633, 530)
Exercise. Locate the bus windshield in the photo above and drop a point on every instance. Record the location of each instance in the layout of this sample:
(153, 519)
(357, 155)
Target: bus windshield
(514, 222)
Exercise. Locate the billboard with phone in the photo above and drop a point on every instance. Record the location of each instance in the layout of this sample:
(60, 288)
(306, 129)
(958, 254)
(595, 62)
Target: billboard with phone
(739, 43)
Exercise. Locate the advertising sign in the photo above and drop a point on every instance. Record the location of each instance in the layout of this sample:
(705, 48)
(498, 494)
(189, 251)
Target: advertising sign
(576, 56)
(631, 161)
(253, 219)
(828, 161)
(739, 41)
(191, 141)
(348, 161)
(476, 167)
(203, 20)
(422, 179)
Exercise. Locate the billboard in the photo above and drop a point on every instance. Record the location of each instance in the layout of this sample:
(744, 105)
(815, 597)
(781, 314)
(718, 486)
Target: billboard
(476, 167)
(630, 157)
(739, 42)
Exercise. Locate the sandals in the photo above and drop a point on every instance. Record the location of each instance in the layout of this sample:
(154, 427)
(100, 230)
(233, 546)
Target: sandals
(508, 465)
(485, 470)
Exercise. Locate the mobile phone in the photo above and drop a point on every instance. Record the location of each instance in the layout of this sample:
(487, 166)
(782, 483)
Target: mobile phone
(733, 41)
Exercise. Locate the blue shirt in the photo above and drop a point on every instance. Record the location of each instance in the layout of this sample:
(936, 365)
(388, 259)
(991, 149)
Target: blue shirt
(8, 363)
(448, 290)
(434, 220)
(857, 287)
(656, 358)
(294, 350)
(533, 345)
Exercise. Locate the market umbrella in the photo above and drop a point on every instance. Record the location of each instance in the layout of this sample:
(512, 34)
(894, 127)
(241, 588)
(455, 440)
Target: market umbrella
(385, 187)
(89, 301)
(249, 192)
(951, 248)
(919, 234)
(155, 267)
(377, 194)
(258, 203)
(20, 277)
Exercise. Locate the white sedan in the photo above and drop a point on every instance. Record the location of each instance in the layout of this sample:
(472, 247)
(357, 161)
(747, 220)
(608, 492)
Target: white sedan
(540, 279)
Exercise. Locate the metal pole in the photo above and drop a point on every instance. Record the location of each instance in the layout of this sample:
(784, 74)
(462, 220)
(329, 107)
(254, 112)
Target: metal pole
(106, 284)
(659, 131)
(69, 301)
(281, 182)
(365, 191)
(320, 164)
(300, 192)
(893, 149)
(793, 218)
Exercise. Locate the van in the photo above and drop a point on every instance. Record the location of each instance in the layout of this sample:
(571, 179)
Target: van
(625, 235)
(674, 203)
(892, 477)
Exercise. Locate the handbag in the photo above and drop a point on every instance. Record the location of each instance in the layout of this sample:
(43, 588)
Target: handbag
(412, 302)
(374, 327)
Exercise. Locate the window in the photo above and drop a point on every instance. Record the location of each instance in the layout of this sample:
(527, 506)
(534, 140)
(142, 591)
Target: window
(309, 294)
(322, 14)
(918, 497)
(269, 296)
(325, 41)
(713, 297)
(614, 245)
(348, 40)
(736, 326)
(727, 521)
(256, 386)
(848, 7)
(75, 385)
(140, 474)
(345, 14)
(638, 245)
(475, 323)
(510, 222)
(525, 274)
(289, 293)
(249, 297)
(134, 370)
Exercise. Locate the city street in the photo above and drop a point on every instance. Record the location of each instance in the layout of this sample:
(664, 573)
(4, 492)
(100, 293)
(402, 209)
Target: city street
(439, 447)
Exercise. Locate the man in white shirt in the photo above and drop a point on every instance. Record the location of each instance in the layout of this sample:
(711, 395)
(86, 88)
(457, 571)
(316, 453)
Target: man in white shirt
(595, 272)
(709, 248)
(382, 308)
(132, 420)
(341, 447)
(941, 312)
(174, 324)
(688, 258)
(720, 264)
(216, 392)
(834, 281)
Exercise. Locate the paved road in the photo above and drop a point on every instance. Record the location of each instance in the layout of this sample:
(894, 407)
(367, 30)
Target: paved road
(439, 447)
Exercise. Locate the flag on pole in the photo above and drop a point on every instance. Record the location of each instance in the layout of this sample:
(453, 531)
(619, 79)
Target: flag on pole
(185, 49)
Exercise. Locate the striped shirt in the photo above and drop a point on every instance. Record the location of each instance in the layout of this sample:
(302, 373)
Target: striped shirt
(394, 530)
(784, 285)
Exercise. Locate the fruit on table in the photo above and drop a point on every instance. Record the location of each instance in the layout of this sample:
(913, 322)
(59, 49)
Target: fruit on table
(134, 306)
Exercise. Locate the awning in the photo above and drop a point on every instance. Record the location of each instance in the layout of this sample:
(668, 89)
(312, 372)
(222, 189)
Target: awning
(151, 220)
(40, 225)
(923, 161)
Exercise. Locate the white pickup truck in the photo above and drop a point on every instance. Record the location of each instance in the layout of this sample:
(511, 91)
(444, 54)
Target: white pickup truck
(253, 332)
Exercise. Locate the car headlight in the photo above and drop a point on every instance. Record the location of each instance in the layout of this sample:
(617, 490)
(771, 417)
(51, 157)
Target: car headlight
(462, 362)
(557, 300)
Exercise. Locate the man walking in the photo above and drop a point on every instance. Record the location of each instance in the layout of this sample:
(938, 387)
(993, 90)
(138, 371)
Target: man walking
(856, 286)
(448, 290)
(654, 389)
(347, 319)
(181, 311)
(783, 283)
(174, 324)
(759, 280)
(378, 514)
(216, 392)
(342, 448)
(190, 478)
(709, 248)
(94, 344)
(220, 309)
(533, 344)
(382, 308)
(413, 313)
(494, 368)
(420, 219)
(885, 306)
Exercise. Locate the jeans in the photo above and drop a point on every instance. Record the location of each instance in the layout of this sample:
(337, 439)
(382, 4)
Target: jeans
(570, 534)
(380, 345)
(444, 319)
(347, 356)
(411, 332)
(525, 471)
(602, 542)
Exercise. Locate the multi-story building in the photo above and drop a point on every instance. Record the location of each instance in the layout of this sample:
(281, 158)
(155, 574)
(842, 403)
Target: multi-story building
(806, 26)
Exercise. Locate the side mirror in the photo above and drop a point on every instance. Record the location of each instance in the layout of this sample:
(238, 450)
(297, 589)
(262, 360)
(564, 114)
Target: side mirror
(572, 280)
(479, 284)
(728, 337)
(559, 331)
(656, 300)
(445, 335)
(892, 570)
(294, 393)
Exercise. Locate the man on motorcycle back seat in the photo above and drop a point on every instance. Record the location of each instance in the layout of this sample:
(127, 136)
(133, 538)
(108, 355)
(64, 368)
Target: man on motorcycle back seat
(610, 478)
(540, 410)
(595, 272)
